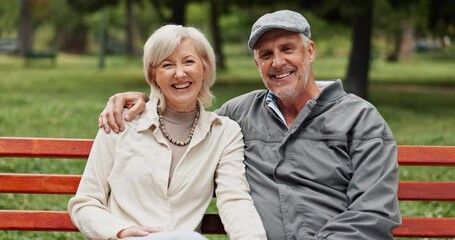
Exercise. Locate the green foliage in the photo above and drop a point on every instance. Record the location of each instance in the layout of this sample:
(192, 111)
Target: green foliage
(84, 6)
(9, 15)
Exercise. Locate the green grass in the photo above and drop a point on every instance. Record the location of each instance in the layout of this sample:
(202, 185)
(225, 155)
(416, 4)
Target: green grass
(416, 98)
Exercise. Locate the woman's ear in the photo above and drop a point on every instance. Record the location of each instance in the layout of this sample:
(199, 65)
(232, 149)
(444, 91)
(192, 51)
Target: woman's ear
(151, 73)
(204, 74)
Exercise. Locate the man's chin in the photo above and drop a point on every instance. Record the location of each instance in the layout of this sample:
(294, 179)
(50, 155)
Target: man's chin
(289, 93)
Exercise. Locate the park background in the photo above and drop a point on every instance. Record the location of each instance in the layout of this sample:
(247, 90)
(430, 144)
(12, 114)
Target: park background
(407, 71)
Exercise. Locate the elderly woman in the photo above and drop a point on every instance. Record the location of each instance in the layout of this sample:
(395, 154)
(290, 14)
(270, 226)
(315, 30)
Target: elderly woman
(156, 178)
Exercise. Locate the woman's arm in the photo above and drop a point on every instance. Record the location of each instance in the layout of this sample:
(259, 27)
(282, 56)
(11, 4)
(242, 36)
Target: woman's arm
(88, 208)
(234, 202)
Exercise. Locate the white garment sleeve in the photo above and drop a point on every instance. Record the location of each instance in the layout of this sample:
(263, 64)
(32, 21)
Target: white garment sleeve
(89, 207)
(235, 205)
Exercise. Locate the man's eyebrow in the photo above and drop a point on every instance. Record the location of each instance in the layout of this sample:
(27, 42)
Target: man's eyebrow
(263, 51)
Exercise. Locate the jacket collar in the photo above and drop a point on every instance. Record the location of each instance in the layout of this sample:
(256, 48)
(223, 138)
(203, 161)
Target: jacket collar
(331, 91)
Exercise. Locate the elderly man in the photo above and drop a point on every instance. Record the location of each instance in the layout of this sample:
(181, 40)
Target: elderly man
(321, 163)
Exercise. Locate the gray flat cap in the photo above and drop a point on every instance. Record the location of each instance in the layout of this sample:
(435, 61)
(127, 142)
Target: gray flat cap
(283, 19)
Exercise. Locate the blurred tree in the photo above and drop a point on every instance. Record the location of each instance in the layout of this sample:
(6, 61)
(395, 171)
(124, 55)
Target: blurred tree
(130, 28)
(177, 7)
(359, 59)
(397, 22)
(441, 21)
(358, 15)
(216, 33)
(71, 27)
(178, 11)
(25, 26)
(30, 14)
(90, 6)
(9, 16)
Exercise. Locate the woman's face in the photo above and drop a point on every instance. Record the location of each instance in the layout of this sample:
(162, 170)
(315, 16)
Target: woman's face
(180, 77)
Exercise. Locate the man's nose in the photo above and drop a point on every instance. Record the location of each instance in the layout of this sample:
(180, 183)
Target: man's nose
(278, 61)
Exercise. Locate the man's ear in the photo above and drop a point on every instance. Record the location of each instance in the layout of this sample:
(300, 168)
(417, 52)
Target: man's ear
(254, 57)
(311, 51)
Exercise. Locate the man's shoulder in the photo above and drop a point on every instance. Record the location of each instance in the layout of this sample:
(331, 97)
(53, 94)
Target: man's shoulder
(241, 103)
(247, 98)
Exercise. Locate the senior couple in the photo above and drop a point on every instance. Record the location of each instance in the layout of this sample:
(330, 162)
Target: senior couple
(300, 160)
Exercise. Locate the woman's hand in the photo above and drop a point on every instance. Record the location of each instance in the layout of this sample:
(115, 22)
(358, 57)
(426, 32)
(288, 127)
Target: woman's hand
(137, 231)
(111, 116)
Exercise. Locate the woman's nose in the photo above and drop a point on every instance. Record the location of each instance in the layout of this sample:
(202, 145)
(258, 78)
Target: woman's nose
(180, 72)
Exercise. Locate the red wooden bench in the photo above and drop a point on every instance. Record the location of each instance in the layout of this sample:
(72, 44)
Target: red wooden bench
(34, 220)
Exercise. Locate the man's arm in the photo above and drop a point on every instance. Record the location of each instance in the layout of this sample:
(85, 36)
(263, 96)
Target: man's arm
(373, 210)
(111, 116)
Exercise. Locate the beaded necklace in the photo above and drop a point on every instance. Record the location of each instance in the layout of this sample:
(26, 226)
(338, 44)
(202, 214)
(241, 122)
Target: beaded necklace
(168, 136)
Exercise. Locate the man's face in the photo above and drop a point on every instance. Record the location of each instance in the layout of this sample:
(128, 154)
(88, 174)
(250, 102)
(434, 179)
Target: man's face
(283, 62)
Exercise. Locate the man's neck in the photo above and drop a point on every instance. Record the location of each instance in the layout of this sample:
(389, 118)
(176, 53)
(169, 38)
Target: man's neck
(291, 107)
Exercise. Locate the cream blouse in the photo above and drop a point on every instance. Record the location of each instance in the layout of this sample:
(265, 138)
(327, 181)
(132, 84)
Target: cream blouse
(125, 181)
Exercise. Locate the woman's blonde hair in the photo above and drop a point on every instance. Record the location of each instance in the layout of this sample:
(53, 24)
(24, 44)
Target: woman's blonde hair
(163, 42)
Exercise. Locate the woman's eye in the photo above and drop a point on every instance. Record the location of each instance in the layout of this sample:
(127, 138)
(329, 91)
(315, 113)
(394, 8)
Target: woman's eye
(166, 65)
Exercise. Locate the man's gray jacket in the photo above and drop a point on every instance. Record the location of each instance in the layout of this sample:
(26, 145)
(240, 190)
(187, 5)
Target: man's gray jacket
(333, 174)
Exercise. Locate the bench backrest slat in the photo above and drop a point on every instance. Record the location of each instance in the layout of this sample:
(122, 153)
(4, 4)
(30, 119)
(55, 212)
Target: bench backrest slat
(36, 220)
(43, 147)
(426, 227)
(80, 148)
(39, 183)
(426, 155)
(434, 191)
(67, 184)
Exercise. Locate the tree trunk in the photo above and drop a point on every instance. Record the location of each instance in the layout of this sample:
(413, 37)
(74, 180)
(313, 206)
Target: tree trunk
(25, 27)
(178, 12)
(359, 60)
(129, 28)
(394, 54)
(216, 34)
(74, 41)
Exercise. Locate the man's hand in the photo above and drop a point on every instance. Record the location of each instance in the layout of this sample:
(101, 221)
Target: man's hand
(137, 231)
(111, 116)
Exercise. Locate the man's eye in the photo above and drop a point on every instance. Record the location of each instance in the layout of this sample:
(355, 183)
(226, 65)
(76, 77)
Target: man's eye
(265, 56)
(288, 49)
